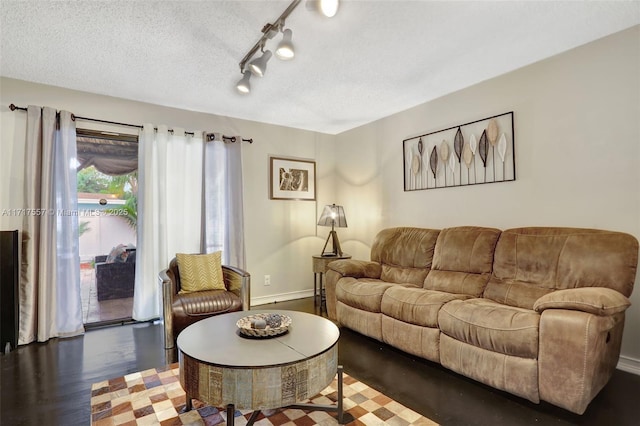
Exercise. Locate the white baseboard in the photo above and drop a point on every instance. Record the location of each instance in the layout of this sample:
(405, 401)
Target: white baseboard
(282, 297)
(628, 364)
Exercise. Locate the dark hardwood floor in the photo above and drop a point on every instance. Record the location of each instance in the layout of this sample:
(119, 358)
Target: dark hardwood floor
(49, 383)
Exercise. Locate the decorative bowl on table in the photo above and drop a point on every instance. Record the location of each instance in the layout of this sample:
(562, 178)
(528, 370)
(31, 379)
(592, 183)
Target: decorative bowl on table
(264, 325)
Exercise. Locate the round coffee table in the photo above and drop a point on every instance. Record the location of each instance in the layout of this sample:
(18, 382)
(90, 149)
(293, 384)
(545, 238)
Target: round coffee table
(221, 367)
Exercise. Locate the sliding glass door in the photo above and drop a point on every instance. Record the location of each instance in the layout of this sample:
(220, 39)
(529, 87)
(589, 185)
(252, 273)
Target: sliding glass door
(107, 210)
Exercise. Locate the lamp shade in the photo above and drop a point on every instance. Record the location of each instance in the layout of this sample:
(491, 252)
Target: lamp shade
(329, 8)
(259, 65)
(285, 47)
(333, 216)
(244, 86)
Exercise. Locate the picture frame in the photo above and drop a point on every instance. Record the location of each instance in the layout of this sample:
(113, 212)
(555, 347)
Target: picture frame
(292, 179)
(479, 152)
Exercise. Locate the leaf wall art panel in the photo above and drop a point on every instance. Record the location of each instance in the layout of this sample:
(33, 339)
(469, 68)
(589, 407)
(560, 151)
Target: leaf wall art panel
(481, 151)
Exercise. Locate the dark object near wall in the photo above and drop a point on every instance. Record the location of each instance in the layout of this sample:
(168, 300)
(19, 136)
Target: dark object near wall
(115, 280)
(9, 279)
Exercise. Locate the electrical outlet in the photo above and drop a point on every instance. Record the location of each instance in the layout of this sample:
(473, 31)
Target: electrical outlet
(267, 280)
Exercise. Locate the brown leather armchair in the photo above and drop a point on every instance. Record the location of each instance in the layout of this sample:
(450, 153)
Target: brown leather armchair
(182, 310)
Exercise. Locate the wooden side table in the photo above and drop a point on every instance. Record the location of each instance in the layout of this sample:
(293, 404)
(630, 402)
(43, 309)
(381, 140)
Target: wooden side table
(319, 268)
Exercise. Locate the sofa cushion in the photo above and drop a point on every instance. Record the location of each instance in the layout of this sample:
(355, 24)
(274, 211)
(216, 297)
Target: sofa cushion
(414, 339)
(463, 260)
(405, 254)
(510, 373)
(118, 254)
(364, 294)
(367, 323)
(531, 262)
(415, 305)
(199, 272)
(472, 285)
(514, 293)
(404, 275)
(489, 325)
(192, 307)
(466, 249)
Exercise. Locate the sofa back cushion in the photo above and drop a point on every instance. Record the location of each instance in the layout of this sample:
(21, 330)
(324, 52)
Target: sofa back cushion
(462, 260)
(531, 262)
(405, 254)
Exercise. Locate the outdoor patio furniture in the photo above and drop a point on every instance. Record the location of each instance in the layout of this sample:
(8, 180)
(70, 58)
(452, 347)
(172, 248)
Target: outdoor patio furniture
(115, 280)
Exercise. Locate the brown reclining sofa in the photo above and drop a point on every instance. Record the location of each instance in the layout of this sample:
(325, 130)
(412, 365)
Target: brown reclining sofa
(537, 312)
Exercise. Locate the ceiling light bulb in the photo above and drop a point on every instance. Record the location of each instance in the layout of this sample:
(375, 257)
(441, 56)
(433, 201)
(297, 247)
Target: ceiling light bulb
(243, 85)
(329, 8)
(259, 65)
(285, 47)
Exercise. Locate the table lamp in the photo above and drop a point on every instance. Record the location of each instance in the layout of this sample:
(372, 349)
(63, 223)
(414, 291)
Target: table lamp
(333, 216)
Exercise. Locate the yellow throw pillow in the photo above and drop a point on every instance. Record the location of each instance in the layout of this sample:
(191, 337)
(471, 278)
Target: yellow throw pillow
(200, 272)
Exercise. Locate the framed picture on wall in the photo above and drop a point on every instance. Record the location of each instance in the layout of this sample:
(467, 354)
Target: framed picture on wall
(482, 151)
(292, 179)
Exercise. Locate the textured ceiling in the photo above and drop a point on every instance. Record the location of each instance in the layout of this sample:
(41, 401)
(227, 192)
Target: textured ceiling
(373, 59)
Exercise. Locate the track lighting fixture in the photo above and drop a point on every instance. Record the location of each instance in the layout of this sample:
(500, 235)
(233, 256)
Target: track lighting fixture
(285, 47)
(258, 66)
(244, 86)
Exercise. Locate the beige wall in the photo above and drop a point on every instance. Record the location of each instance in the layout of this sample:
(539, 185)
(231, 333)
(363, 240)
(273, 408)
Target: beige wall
(280, 235)
(577, 144)
(104, 233)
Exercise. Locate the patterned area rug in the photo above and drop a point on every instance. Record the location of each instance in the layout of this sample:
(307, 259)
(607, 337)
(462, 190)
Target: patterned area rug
(155, 397)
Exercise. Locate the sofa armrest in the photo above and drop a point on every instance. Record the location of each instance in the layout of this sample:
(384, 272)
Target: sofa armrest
(339, 269)
(168, 288)
(238, 281)
(594, 300)
(578, 353)
(356, 268)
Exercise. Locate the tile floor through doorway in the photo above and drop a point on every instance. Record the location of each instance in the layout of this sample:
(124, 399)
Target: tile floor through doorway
(94, 311)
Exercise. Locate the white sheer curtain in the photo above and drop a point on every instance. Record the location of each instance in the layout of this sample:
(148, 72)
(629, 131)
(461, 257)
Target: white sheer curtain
(50, 304)
(169, 209)
(223, 207)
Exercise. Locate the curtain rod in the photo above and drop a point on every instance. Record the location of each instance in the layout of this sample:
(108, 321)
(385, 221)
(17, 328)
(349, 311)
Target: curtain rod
(209, 136)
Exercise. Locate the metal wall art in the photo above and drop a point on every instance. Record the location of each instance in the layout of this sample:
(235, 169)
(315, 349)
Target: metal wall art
(292, 179)
(478, 152)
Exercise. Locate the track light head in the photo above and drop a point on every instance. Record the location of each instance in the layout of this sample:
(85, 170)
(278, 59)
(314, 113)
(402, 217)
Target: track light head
(285, 47)
(259, 65)
(328, 8)
(244, 86)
